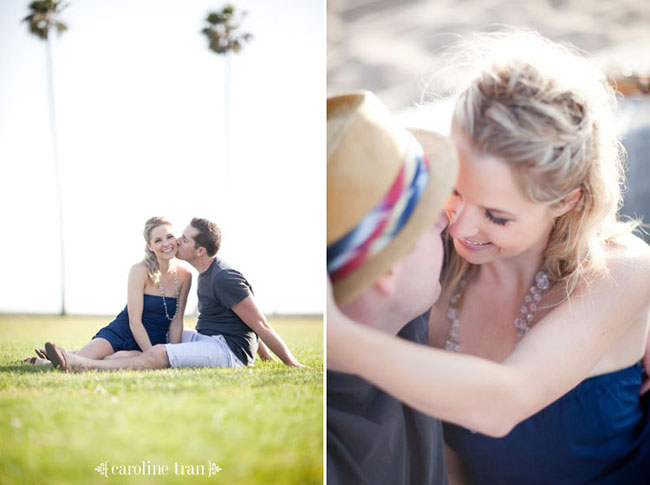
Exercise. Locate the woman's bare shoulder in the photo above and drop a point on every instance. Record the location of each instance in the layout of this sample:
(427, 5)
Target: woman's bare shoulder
(182, 270)
(138, 276)
(630, 250)
(184, 273)
(628, 261)
(139, 268)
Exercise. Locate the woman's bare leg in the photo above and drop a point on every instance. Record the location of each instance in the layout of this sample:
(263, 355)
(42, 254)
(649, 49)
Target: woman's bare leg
(122, 354)
(97, 348)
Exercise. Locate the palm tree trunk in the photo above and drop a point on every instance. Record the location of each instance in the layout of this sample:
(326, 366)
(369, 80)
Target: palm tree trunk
(225, 204)
(226, 122)
(57, 168)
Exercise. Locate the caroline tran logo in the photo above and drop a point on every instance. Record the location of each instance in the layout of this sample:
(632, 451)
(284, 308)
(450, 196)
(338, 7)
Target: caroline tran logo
(146, 468)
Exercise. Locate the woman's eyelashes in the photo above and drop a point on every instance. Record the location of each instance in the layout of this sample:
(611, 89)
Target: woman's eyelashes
(491, 217)
(158, 239)
(497, 220)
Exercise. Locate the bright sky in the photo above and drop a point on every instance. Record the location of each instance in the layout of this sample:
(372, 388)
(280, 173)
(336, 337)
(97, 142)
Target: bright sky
(139, 102)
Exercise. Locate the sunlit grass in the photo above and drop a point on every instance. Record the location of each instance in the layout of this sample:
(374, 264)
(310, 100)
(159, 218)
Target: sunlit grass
(259, 425)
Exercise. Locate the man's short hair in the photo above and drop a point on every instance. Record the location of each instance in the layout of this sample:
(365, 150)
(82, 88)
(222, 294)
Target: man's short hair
(208, 235)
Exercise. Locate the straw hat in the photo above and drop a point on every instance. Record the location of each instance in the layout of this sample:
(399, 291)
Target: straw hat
(369, 160)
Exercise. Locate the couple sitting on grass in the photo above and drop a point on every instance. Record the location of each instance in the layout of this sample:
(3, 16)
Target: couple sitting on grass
(149, 334)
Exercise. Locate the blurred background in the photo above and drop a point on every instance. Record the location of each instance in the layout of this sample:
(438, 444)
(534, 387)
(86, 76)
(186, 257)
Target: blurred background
(394, 50)
(140, 104)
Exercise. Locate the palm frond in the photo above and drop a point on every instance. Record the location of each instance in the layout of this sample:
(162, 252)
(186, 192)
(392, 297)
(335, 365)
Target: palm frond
(222, 32)
(45, 16)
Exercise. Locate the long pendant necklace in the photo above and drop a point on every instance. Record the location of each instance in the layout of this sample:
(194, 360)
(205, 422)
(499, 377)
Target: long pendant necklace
(162, 293)
(523, 322)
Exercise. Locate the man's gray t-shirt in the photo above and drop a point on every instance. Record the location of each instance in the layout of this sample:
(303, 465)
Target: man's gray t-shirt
(220, 288)
(374, 439)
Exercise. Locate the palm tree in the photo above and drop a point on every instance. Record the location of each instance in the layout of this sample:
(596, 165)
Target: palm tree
(42, 21)
(224, 38)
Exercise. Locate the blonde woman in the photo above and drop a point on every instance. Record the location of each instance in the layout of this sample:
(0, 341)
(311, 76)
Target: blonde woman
(546, 295)
(157, 295)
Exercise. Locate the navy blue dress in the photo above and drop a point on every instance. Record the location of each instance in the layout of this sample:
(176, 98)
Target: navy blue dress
(154, 320)
(599, 432)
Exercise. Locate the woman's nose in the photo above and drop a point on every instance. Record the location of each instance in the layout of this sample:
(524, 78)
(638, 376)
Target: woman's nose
(452, 207)
(464, 223)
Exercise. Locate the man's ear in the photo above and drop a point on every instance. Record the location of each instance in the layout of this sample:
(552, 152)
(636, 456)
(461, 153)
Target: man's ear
(387, 282)
(568, 203)
(201, 251)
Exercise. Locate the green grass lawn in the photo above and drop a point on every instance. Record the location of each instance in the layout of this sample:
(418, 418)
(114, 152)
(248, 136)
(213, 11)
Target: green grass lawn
(258, 425)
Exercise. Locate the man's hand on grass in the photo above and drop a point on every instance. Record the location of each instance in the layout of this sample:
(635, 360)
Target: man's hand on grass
(263, 352)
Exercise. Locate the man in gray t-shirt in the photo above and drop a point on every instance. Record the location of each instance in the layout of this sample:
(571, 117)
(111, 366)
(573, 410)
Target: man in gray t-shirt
(227, 308)
(220, 289)
(230, 330)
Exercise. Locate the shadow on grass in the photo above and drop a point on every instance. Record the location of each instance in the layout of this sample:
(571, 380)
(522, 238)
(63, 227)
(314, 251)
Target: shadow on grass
(26, 368)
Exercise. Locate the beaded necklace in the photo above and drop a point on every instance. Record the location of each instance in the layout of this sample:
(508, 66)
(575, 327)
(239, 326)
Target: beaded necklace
(523, 321)
(162, 293)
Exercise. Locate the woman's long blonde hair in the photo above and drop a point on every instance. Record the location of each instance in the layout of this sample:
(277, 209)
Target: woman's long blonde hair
(150, 260)
(549, 114)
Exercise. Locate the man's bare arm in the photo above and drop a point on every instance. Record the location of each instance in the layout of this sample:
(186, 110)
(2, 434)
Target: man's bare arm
(252, 316)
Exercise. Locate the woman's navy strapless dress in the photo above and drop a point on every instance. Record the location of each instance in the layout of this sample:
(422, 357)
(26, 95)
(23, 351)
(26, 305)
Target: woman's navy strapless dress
(154, 320)
(599, 432)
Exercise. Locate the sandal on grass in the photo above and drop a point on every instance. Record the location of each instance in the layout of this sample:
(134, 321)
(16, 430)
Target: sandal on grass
(57, 356)
(41, 353)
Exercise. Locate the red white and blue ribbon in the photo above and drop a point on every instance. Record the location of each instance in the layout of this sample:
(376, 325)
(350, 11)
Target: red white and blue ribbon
(380, 226)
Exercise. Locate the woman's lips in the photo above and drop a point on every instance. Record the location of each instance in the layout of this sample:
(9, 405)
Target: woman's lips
(473, 245)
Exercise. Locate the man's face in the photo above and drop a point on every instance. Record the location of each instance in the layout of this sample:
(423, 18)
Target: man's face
(186, 249)
(418, 273)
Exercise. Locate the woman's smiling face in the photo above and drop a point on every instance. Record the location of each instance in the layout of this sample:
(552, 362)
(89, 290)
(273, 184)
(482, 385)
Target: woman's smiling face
(492, 218)
(162, 242)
